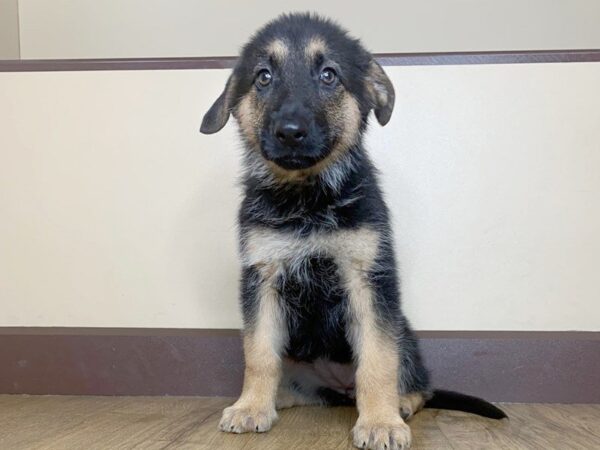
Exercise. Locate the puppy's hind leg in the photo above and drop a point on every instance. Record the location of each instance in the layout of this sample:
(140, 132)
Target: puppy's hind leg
(304, 384)
(414, 382)
(288, 396)
(410, 404)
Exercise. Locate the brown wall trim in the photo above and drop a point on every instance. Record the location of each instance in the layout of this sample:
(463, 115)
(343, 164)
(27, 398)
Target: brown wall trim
(224, 62)
(508, 366)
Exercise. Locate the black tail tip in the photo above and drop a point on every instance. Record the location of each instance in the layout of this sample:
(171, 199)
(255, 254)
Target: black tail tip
(493, 412)
(461, 402)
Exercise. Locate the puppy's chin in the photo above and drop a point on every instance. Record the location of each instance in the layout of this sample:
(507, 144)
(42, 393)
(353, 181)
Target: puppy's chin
(295, 162)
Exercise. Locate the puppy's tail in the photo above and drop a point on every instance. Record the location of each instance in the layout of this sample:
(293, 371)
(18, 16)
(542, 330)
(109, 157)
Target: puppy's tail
(461, 402)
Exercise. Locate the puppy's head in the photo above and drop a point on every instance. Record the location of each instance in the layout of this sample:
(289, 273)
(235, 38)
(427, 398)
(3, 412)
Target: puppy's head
(301, 92)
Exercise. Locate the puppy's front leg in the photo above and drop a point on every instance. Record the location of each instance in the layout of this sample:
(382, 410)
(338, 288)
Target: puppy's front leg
(263, 343)
(379, 425)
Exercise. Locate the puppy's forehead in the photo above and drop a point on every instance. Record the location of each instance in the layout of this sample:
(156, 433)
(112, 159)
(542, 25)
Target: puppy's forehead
(305, 49)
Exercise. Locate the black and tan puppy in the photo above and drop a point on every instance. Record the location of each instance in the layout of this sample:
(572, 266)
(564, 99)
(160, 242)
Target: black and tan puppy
(319, 288)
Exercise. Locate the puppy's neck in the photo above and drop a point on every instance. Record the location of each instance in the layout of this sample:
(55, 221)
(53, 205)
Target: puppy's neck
(323, 200)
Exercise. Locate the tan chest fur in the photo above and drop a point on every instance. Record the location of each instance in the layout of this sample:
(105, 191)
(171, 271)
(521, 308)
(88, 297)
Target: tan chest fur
(274, 248)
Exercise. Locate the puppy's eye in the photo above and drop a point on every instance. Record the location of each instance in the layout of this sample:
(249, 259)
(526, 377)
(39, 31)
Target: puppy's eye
(264, 78)
(328, 76)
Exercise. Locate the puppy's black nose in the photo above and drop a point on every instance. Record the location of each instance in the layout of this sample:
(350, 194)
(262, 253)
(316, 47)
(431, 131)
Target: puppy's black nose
(290, 132)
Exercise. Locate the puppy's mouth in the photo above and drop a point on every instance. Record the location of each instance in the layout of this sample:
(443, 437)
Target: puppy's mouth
(296, 158)
(295, 162)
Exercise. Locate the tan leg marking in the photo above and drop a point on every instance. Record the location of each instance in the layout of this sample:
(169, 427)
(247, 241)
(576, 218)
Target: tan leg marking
(255, 409)
(379, 425)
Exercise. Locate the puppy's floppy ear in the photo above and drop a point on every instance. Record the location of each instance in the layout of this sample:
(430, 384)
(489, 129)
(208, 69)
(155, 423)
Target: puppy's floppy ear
(218, 114)
(381, 90)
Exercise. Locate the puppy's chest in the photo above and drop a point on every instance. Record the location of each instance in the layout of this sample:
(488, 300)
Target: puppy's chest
(306, 270)
(315, 309)
(277, 249)
(311, 273)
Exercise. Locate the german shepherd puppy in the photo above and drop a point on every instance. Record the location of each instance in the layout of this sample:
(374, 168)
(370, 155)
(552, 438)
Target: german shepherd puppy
(319, 286)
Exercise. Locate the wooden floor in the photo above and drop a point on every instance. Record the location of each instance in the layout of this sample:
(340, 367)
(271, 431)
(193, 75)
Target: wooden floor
(64, 422)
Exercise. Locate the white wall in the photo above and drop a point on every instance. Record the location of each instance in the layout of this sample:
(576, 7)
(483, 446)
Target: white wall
(115, 211)
(140, 28)
(9, 29)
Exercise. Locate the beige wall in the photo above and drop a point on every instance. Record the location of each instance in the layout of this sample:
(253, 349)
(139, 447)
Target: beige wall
(117, 212)
(139, 28)
(9, 29)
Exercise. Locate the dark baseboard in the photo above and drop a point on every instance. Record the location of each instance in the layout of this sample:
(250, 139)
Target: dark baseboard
(226, 62)
(506, 366)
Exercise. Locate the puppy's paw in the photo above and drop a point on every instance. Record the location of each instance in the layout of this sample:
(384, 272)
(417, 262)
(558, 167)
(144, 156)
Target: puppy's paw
(381, 435)
(410, 404)
(237, 419)
(406, 412)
